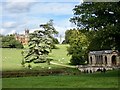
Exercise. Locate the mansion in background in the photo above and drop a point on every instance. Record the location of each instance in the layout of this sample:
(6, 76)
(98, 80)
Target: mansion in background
(23, 38)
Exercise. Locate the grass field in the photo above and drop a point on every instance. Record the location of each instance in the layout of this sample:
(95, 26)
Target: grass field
(60, 55)
(11, 59)
(96, 80)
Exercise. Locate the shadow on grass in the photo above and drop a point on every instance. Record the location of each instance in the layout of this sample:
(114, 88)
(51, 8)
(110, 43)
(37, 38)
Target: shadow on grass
(58, 72)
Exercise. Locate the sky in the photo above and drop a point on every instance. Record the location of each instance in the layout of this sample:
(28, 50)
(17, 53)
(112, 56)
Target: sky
(18, 15)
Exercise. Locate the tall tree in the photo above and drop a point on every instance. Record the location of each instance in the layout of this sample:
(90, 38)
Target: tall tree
(104, 19)
(50, 30)
(40, 44)
(78, 43)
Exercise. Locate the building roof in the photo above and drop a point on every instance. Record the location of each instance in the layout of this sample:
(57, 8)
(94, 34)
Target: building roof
(102, 52)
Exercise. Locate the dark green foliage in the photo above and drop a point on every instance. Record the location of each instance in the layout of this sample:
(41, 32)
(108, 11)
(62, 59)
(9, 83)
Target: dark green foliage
(108, 39)
(18, 44)
(104, 19)
(9, 41)
(40, 44)
(96, 15)
(44, 72)
(55, 41)
(39, 47)
(78, 43)
(77, 59)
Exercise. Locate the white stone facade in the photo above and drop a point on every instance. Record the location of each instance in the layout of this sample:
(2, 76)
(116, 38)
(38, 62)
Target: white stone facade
(104, 58)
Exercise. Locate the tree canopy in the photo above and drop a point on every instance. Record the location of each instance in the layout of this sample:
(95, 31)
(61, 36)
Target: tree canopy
(102, 17)
(78, 43)
(96, 15)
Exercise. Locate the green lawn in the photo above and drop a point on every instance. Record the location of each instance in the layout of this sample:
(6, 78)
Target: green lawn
(11, 59)
(97, 80)
(60, 55)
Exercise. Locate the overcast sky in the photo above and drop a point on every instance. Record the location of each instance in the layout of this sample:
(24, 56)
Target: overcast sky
(16, 15)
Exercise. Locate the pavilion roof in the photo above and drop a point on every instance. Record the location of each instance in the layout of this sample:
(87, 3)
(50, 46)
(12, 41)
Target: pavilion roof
(102, 52)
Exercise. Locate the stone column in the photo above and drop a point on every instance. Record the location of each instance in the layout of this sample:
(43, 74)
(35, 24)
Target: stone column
(93, 60)
(97, 58)
(118, 60)
(89, 59)
(109, 60)
(103, 60)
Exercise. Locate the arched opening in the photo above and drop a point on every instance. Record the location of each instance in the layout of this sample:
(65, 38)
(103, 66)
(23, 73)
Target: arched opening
(90, 60)
(113, 60)
(105, 60)
(101, 57)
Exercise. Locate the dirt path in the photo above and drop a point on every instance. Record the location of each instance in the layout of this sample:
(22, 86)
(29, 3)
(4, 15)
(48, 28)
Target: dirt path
(62, 65)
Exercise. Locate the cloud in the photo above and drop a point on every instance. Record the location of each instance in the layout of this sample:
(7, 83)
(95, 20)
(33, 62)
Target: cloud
(9, 24)
(18, 6)
(64, 25)
(12, 31)
(0, 9)
(42, 0)
(20, 0)
(5, 31)
(20, 14)
(61, 25)
(53, 8)
(2, 31)
(59, 0)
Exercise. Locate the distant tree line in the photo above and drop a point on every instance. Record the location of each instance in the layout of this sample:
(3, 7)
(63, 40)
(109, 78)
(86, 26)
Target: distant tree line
(9, 41)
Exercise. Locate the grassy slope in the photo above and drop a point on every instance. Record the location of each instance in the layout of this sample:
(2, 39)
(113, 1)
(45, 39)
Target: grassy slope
(60, 55)
(11, 59)
(97, 80)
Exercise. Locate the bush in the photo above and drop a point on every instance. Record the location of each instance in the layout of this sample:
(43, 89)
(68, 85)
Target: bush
(18, 44)
(77, 59)
(10, 42)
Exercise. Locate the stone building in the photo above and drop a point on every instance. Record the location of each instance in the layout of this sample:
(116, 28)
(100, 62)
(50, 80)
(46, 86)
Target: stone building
(23, 38)
(104, 58)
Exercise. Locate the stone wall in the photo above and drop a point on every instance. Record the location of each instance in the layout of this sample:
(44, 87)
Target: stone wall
(109, 58)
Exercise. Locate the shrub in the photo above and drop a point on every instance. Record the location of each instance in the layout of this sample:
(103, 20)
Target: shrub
(9, 41)
(77, 59)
